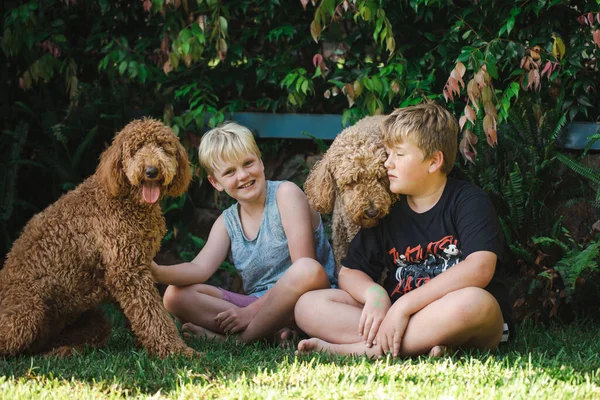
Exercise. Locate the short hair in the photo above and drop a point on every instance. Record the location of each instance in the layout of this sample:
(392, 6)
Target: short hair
(429, 126)
(227, 142)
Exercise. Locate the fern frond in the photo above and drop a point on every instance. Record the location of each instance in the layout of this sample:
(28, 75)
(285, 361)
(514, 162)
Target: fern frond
(579, 168)
(521, 254)
(548, 242)
(577, 262)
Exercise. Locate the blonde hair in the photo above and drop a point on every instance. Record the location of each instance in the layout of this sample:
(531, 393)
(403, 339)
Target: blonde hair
(429, 126)
(227, 142)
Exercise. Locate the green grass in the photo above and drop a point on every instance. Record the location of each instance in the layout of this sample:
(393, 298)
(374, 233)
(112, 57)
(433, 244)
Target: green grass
(553, 363)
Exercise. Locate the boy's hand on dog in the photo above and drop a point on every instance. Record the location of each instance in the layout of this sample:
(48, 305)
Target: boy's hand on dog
(374, 311)
(234, 320)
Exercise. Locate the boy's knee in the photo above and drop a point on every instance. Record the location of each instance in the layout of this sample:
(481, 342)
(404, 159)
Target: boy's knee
(172, 299)
(308, 272)
(473, 306)
(306, 302)
(304, 310)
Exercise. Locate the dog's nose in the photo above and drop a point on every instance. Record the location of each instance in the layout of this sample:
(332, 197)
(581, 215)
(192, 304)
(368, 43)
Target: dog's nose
(371, 212)
(151, 172)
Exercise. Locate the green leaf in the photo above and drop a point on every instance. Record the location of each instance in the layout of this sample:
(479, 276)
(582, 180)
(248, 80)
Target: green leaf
(122, 67)
(59, 39)
(491, 67)
(185, 48)
(510, 24)
(223, 23)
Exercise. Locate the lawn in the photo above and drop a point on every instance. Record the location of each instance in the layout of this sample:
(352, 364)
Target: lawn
(554, 363)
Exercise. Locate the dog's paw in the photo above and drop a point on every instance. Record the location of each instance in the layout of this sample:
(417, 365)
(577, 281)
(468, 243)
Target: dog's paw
(63, 352)
(179, 350)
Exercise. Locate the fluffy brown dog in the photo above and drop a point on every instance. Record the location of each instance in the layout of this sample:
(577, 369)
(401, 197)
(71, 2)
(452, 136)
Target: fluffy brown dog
(351, 181)
(94, 245)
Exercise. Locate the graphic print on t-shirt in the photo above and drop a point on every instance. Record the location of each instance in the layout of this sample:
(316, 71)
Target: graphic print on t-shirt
(417, 266)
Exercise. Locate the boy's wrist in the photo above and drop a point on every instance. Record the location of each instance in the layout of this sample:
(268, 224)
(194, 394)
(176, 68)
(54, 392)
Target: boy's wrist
(155, 271)
(377, 294)
(402, 307)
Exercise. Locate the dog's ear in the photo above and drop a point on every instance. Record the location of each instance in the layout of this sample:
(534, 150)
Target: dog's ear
(110, 170)
(320, 187)
(183, 175)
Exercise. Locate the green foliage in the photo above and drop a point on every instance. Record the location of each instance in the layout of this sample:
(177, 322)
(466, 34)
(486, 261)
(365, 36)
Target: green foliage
(77, 72)
(523, 177)
(520, 172)
(576, 261)
(586, 172)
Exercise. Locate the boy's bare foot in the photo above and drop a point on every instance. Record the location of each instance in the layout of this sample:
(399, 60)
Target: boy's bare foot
(286, 337)
(311, 345)
(438, 351)
(190, 330)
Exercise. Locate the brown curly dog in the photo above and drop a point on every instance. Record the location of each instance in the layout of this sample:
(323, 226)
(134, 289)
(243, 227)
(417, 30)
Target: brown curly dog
(94, 245)
(351, 181)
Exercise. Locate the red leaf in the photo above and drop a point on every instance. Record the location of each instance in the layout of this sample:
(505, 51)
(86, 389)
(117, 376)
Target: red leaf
(489, 127)
(591, 18)
(147, 5)
(582, 19)
(304, 3)
(455, 74)
(598, 17)
(167, 67)
(460, 69)
(474, 93)
(596, 36)
(490, 109)
(453, 85)
(467, 146)
(491, 137)
(461, 121)
(317, 59)
(470, 114)
(164, 45)
(447, 94)
(547, 69)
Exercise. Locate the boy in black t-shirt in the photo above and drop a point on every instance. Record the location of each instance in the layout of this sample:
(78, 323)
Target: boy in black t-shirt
(441, 247)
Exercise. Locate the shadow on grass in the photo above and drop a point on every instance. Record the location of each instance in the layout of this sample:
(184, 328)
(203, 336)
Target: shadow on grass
(559, 351)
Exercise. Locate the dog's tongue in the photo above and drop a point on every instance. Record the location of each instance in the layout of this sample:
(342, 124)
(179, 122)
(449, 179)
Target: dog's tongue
(151, 192)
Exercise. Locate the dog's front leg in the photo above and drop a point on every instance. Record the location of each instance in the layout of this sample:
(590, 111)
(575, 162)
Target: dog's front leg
(133, 288)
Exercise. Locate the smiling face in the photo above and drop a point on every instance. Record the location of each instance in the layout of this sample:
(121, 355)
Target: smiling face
(242, 179)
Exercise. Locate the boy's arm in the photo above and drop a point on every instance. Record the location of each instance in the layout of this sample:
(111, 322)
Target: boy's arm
(375, 299)
(476, 270)
(200, 268)
(296, 220)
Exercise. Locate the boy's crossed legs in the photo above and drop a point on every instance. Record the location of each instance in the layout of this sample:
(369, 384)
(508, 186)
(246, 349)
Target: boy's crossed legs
(466, 318)
(198, 305)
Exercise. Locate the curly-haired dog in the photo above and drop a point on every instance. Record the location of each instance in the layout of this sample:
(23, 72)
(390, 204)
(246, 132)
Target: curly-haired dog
(351, 181)
(94, 245)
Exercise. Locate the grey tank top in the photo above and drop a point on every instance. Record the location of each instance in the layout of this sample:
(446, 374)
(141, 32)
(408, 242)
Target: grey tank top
(262, 261)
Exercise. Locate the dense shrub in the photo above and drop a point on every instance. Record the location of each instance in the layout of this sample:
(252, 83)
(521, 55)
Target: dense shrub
(78, 71)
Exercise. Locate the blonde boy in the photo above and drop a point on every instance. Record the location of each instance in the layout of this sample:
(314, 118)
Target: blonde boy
(276, 241)
(441, 247)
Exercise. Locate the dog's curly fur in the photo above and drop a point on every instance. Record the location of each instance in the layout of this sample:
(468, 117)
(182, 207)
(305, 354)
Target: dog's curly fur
(94, 245)
(351, 181)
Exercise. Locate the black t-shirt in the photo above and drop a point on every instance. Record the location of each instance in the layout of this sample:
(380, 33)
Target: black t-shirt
(414, 248)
